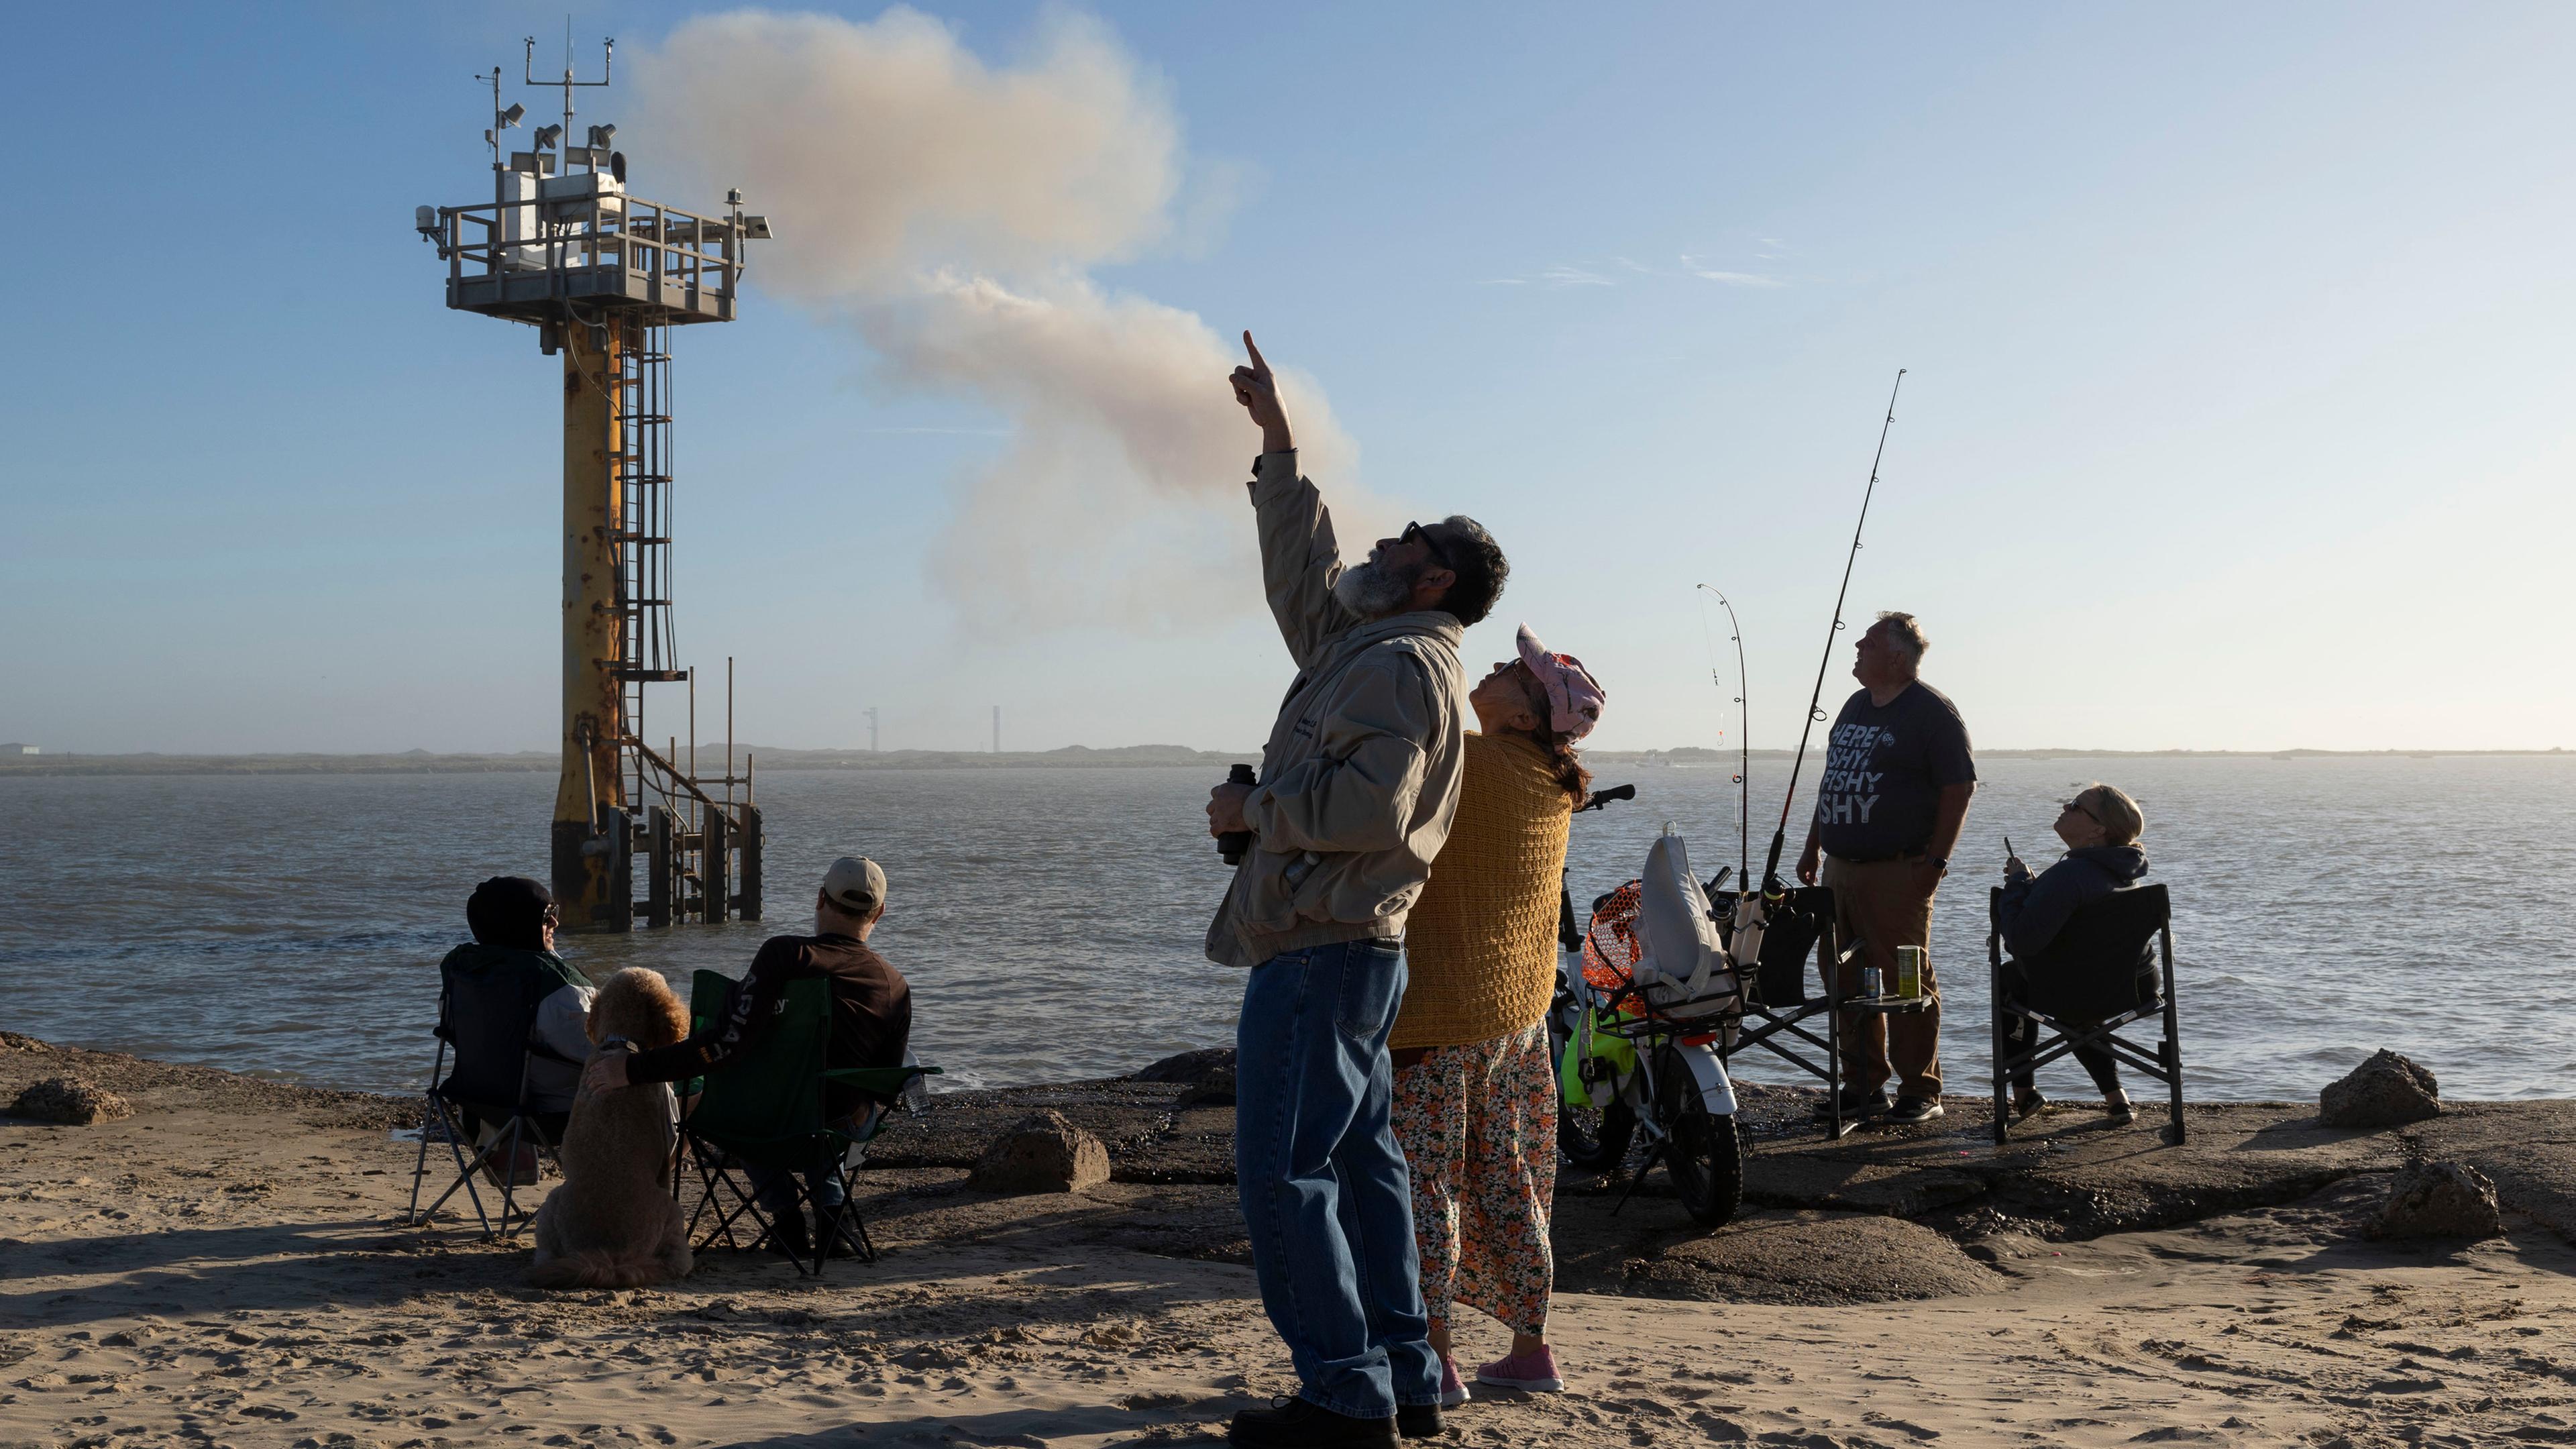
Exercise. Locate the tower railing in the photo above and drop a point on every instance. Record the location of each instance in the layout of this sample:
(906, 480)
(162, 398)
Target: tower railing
(525, 258)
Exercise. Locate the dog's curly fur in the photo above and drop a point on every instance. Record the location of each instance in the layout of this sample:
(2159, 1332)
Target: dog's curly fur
(612, 1224)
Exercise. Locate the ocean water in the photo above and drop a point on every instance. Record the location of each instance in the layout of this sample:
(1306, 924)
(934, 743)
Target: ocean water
(1050, 920)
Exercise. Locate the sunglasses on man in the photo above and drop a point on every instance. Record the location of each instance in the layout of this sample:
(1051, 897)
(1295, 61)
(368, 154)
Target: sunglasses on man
(1416, 533)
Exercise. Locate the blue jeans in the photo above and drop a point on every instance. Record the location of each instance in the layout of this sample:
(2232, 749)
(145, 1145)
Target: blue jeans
(1326, 1197)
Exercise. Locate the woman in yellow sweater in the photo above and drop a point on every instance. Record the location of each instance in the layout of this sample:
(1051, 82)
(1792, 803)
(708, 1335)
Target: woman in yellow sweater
(1475, 1086)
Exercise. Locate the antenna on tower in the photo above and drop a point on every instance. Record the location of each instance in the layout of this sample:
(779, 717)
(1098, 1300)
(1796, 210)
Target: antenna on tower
(547, 136)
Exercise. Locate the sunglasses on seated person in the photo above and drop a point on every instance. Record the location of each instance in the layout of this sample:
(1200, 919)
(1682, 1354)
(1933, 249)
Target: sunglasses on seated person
(2077, 805)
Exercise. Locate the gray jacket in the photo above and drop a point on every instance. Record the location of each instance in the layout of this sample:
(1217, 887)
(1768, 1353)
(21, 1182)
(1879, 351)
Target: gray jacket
(1359, 781)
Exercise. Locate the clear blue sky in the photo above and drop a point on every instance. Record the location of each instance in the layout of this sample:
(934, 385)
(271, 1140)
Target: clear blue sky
(2238, 413)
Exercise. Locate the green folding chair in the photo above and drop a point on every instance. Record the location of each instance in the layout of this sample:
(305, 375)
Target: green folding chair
(766, 1112)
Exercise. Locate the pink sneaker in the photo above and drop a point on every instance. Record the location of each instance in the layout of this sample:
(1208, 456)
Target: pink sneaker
(1453, 1390)
(1533, 1372)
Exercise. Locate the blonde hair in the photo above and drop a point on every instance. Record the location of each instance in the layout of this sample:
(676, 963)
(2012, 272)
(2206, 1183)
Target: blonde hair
(2122, 821)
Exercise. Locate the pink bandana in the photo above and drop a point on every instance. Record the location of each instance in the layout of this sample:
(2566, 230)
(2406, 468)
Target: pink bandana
(1573, 695)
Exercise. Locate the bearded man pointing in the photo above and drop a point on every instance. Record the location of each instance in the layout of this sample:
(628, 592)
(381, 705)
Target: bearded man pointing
(1359, 782)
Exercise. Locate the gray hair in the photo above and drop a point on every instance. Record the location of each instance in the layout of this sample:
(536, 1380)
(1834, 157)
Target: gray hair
(1909, 635)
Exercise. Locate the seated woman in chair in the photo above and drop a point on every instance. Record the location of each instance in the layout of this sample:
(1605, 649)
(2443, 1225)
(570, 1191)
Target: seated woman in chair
(2100, 826)
(513, 920)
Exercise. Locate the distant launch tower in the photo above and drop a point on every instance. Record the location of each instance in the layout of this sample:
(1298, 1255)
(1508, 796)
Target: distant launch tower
(604, 276)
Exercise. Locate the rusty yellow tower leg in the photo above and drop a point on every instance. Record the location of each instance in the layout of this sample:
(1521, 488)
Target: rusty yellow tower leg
(591, 851)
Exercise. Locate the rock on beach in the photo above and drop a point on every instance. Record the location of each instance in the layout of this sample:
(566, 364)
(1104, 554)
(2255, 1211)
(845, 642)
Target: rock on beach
(2385, 1091)
(2440, 1200)
(1207, 1073)
(70, 1100)
(1041, 1152)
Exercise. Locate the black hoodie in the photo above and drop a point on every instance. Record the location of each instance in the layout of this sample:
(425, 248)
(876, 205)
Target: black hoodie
(2032, 912)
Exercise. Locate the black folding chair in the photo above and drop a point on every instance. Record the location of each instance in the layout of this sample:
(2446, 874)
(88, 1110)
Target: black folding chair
(2110, 966)
(1777, 1008)
(487, 1021)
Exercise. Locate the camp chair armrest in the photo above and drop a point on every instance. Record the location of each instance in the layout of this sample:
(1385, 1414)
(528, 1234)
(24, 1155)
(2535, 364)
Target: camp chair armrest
(878, 1081)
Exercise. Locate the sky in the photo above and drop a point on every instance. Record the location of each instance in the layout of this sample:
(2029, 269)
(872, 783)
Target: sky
(2235, 413)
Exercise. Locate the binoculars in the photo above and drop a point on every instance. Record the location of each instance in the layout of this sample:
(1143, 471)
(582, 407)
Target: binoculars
(1231, 845)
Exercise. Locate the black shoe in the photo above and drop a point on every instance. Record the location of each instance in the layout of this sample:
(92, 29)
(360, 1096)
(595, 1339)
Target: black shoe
(1856, 1103)
(1417, 1421)
(1910, 1110)
(788, 1236)
(1297, 1424)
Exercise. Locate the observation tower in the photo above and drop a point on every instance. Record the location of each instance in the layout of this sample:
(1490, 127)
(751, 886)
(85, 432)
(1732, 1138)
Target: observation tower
(604, 276)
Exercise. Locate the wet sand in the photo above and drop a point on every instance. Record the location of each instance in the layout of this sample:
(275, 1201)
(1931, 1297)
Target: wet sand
(226, 1267)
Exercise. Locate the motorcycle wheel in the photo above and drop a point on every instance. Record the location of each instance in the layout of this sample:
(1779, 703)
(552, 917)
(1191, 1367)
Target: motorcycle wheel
(1705, 1156)
(1594, 1139)
(1591, 1139)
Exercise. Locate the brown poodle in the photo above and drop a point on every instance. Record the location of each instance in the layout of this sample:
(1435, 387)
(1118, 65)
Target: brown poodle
(612, 1224)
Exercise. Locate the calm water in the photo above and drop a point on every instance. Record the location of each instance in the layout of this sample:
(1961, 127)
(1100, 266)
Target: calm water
(1050, 919)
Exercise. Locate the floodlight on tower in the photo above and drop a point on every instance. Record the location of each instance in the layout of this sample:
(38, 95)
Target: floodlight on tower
(603, 277)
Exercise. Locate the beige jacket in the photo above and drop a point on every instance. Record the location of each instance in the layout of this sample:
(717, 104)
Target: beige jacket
(1360, 778)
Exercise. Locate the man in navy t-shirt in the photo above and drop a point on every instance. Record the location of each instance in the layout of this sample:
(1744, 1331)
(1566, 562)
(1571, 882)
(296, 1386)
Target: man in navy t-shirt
(1889, 807)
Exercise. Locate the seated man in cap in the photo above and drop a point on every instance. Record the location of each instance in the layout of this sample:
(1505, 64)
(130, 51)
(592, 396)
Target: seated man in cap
(871, 1021)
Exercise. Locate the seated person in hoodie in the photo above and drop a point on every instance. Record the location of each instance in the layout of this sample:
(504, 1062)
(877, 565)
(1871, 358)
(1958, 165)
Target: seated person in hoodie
(513, 920)
(2100, 826)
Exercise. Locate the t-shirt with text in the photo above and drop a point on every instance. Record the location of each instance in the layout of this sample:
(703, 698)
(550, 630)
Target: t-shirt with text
(1885, 766)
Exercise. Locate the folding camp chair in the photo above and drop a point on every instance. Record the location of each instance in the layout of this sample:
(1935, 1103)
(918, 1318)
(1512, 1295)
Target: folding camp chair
(1777, 1005)
(767, 1113)
(487, 1021)
(2111, 965)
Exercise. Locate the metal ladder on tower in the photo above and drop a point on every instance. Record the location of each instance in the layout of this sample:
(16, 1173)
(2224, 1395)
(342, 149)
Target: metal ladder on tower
(648, 651)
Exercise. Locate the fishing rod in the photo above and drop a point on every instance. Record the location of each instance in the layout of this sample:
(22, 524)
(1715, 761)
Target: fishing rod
(1743, 735)
(1771, 885)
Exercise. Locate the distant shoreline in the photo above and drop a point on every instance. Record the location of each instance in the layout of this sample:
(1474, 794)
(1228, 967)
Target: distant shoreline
(423, 762)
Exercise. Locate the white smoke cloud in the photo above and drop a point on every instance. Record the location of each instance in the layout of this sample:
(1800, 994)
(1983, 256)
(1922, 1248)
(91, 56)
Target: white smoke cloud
(950, 210)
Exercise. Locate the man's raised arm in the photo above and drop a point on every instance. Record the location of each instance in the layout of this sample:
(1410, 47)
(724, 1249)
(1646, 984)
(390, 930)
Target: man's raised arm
(1299, 557)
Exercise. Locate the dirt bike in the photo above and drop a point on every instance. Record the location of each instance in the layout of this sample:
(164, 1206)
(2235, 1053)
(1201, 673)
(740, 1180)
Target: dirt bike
(1638, 1049)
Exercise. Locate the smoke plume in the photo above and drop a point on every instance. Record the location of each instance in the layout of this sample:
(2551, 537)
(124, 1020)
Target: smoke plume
(951, 211)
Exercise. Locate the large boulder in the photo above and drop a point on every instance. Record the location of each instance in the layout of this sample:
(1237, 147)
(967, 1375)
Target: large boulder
(2385, 1091)
(1216, 1089)
(69, 1100)
(1192, 1068)
(2439, 1200)
(1041, 1152)
(1207, 1073)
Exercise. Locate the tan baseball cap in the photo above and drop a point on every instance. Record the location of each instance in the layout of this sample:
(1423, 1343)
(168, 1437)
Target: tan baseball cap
(855, 884)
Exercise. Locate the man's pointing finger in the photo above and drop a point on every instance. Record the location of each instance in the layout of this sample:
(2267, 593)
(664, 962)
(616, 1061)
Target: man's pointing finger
(1258, 365)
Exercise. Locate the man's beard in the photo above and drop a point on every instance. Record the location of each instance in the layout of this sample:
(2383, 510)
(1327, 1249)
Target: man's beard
(1373, 591)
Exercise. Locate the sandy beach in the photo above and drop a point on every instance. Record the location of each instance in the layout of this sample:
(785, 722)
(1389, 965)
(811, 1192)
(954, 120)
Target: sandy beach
(226, 1266)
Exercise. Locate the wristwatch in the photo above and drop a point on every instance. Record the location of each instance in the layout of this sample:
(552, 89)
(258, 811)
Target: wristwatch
(1940, 863)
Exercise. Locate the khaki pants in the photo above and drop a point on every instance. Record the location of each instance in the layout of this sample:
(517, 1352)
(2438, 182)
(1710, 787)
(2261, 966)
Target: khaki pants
(1878, 905)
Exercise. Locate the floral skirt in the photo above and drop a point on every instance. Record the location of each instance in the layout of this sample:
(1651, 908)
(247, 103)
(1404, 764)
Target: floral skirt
(1478, 1126)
